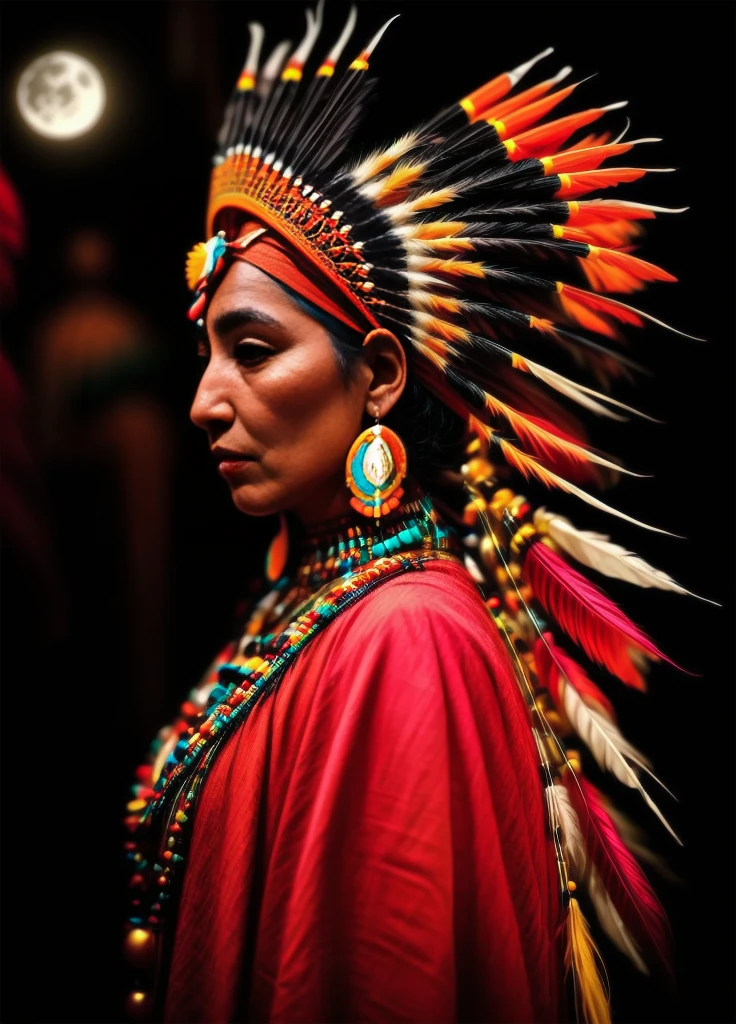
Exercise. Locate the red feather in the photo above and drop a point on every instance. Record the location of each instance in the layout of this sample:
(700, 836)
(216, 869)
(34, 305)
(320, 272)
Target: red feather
(588, 617)
(625, 882)
(550, 660)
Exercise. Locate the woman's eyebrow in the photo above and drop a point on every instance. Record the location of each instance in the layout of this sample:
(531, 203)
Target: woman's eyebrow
(232, 318)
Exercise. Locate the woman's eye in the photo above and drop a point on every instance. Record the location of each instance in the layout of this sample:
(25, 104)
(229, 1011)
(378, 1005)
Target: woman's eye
(249, 353)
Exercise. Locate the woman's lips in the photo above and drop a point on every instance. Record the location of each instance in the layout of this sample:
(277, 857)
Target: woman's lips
(233, 467)
(232, 463)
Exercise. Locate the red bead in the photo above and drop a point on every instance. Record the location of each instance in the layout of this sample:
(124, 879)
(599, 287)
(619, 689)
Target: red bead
(176, 827)
(135, 881)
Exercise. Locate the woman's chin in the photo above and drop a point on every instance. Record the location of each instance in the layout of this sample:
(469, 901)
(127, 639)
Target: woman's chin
(252, 501)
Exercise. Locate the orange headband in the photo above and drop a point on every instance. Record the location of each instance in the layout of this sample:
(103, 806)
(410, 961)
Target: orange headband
(273, 255)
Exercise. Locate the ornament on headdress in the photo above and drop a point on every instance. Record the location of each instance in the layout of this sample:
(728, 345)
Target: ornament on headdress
(206, 261)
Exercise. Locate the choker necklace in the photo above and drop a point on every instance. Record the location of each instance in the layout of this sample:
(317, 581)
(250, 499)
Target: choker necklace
(340, 563)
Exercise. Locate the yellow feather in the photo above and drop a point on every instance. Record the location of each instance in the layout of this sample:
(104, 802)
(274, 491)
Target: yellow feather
(441, 245)
(196, 259)
(439, 229)
(399, 178)
(581, 954)
(430, 199)
(459, 268)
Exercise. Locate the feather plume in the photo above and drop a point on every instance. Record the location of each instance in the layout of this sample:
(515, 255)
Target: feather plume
(589, 618)
(574, 846)
(597, 552)
(631, 894)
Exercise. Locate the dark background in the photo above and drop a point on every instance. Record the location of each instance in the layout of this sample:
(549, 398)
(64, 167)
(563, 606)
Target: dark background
(68, 743)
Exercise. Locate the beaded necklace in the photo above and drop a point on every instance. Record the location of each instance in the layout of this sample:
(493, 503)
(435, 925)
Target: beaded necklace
(339, 565)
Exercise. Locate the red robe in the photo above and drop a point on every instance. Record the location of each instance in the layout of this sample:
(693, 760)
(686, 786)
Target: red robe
(371, 844)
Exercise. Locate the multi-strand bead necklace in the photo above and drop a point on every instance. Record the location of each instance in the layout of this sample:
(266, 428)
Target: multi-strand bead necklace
(337, 568)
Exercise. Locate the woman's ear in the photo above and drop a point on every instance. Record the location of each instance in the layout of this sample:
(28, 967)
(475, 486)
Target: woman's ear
(387, 361)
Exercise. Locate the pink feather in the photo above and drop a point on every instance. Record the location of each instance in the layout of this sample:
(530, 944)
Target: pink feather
(588, 617)
(550, 659)
(631, 894)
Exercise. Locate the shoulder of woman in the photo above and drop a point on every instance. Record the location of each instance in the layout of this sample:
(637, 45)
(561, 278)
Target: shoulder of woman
(434, 614)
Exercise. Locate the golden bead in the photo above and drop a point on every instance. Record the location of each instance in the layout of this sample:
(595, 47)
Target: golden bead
(139, 1006)
(515, 570)
(571, 886)
(477, 470)
(500, 501)
(140, 948)
(488, 552)
(502, 577)
(522, 536)
(472, 511)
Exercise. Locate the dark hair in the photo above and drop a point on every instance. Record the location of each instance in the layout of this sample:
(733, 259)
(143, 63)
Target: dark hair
(434, 435)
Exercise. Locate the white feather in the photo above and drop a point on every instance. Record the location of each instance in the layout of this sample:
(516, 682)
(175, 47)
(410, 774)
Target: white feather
(598, 552)
(579, 392)
(610, 920)
(602, 736)
(383, 158)
(609, 748)
(571, 832)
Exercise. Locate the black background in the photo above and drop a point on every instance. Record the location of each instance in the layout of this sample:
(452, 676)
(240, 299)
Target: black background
(67, 752)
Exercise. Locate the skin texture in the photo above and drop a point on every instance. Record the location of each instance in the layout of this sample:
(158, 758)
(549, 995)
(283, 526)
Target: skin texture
(272, 391)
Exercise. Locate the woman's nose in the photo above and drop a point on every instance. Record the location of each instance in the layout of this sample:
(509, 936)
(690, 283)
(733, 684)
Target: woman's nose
(211, 406)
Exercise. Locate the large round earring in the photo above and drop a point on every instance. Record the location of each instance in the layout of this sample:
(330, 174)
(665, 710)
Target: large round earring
(374, 471)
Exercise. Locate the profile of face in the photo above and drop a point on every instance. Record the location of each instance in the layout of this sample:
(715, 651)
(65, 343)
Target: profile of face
(279, 414)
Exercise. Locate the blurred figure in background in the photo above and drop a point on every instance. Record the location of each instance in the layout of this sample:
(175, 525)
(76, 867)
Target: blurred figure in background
(106, 442)
(30, 592)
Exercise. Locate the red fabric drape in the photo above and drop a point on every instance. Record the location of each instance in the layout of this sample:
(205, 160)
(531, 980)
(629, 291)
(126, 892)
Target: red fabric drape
(371, 845)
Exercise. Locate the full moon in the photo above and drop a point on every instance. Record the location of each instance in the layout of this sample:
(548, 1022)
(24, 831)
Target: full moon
(61, 95)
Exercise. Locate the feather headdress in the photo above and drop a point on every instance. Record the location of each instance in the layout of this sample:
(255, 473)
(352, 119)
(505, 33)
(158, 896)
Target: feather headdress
(487, 240)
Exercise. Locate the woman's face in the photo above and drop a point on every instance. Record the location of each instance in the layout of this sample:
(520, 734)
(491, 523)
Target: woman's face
(278, 413)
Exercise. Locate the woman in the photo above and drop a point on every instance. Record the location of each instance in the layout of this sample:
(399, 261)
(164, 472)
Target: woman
(347, 821)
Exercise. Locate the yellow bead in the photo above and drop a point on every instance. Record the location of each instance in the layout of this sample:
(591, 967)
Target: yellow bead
(140, 948)
(136, 805)
(571, 886)
(500, 501)
(522, 537)
(139, 1006)
(488, 552)
(477, 470)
